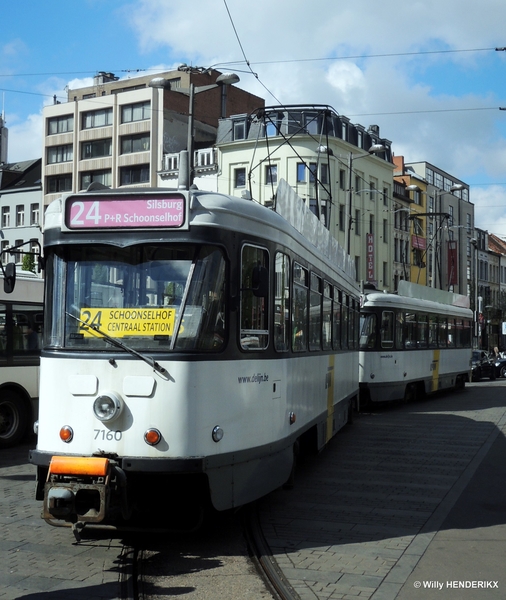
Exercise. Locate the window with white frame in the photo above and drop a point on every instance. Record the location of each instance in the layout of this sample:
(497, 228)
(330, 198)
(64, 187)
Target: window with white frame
(140, 111)
(100, 176)
(271, 174)
(20, 215)
(134, 174)
(62, 124)
(58, 154)
(18, 256)
(96, 149)
(135, 143)
(97, 118)
(301, 172)
(6, 216)
(240, 177)
(59, 183)
(324, 173)
(34, 213)
(239, 131)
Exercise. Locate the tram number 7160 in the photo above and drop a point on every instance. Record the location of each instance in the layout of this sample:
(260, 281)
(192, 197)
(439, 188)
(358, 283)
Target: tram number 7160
(103, 434)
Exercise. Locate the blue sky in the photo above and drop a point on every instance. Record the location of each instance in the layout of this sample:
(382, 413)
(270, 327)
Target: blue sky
(426, 72)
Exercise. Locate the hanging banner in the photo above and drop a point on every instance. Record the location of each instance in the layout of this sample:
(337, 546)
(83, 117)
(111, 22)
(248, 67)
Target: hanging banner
(453, 263)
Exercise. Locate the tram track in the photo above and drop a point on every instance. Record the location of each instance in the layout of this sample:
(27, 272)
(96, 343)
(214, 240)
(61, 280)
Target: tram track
(263, 559)
(203, 564)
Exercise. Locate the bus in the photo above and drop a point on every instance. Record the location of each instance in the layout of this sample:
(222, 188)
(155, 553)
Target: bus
(21, 329)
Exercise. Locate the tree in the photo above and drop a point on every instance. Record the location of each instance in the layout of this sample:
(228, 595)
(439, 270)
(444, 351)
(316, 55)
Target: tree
(28, 263)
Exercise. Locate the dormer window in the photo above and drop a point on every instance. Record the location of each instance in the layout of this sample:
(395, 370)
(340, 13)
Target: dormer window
(240, 129)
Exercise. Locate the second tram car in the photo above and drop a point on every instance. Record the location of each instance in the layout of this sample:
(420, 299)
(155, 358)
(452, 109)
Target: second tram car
(192, 341)
(413, 343)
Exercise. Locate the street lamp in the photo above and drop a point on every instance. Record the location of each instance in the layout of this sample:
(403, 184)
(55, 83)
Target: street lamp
(374, 149)
(474, 243)
(222, 80)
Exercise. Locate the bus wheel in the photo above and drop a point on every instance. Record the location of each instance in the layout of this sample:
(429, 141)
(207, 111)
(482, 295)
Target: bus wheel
(13, 419)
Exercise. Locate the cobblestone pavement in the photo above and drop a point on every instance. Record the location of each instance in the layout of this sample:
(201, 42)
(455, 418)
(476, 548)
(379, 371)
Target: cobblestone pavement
(40, 562)
(392, 507)
(362, 515)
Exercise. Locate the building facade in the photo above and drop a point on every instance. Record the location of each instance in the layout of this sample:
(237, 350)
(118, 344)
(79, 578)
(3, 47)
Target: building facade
(117, 132)
(20, 206)
(450, 228)
(330, 163)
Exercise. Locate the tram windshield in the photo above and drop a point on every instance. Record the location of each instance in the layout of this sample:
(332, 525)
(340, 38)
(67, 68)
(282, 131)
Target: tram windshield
(150, 297)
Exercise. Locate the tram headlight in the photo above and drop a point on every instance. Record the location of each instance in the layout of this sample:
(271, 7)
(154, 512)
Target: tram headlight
(108, 407)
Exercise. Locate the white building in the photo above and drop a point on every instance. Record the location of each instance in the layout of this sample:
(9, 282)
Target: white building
(20, 208)
(327, 161)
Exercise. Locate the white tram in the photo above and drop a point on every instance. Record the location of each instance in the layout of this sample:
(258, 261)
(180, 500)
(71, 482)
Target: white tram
(192, 341)
(413, 343)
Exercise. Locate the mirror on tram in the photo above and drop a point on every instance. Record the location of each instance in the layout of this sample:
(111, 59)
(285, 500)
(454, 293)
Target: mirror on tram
(9, 273)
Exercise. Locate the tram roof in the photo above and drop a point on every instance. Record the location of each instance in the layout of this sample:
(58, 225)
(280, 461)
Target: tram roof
(393, 301)
(229, 213)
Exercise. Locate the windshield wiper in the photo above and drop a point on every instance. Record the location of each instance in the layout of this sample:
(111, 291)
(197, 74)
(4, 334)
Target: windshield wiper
(114, 342)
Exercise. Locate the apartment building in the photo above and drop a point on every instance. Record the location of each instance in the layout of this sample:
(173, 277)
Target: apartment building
(412, 232)
(117, 132)
(341, 170)
(20, 208)
(450, 228)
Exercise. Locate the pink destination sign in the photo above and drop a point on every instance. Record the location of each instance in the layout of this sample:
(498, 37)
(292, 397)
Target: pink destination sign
(107, 212)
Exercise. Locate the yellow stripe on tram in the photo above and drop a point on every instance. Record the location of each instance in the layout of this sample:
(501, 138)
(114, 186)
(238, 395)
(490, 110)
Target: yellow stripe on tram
(435, 371)
(329, 382)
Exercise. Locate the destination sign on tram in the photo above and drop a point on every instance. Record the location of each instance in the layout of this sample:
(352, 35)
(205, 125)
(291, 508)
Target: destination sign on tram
(126, 211)
(128, 322)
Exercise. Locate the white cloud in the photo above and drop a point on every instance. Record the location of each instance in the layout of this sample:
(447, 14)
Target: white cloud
(25, 139)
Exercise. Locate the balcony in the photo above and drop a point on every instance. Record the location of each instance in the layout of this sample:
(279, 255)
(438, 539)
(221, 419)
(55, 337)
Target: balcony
(205, 162)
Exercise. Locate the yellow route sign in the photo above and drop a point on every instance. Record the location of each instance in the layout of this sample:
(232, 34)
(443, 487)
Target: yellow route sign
(127, 322)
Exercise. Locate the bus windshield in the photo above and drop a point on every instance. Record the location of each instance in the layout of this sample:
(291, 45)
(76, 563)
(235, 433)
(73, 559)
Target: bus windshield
(151, 297)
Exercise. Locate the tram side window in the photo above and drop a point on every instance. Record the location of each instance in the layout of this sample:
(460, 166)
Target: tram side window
(299, 308)
(282, 303)
(410, 331)
(451, 333)
(254, 298)
(442, 332)
(423, 331)
(387, 329)
(354, 324)
(399, 331)
(367, 331)
(344, 322)
(336, 319)
(327, 316)
(433, 331)
(315, 312)
(467, 334)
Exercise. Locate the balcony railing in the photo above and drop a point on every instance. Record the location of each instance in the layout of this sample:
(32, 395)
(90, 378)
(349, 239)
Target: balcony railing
(204, 162)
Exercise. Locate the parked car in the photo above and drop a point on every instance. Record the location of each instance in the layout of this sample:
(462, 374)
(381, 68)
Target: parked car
(484, 365)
